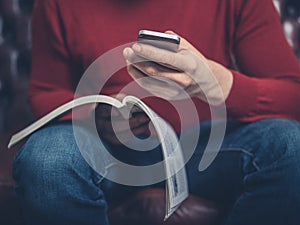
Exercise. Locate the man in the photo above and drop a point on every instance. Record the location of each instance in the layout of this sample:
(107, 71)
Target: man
(256, 170)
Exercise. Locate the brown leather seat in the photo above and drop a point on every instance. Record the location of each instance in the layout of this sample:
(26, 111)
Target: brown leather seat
(148, 207)
(145, 207)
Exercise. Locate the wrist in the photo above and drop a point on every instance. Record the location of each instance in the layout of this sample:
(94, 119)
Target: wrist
(223, 75)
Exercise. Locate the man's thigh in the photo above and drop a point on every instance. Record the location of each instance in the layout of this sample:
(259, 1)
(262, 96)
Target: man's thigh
(246, 149)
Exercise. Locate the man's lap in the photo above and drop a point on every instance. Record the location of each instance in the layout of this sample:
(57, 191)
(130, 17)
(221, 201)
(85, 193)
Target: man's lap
(247, 148)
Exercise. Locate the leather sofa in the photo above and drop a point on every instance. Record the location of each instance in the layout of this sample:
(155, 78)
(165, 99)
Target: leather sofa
(146, 207)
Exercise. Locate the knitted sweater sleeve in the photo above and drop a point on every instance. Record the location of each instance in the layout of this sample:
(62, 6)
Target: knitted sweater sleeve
(268, 82)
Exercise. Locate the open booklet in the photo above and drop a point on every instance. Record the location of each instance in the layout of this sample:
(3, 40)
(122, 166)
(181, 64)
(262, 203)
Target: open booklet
(176, 180)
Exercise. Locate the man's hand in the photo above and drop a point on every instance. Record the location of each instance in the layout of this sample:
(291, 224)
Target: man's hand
(115, 129)
(186, 73)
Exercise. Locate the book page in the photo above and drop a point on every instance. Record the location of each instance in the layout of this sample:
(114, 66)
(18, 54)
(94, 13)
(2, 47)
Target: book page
(176, 182)
(60, 110)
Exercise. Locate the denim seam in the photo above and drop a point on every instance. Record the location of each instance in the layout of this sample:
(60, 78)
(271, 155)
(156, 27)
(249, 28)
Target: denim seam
(98, 182)
(251, 155)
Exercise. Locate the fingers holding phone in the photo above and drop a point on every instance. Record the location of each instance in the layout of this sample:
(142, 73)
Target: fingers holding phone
(183, 73)
(159, 58)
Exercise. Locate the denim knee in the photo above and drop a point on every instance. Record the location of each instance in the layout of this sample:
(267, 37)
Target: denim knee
(270, 172)
(270, 140)
(48, 153)
(54, 181)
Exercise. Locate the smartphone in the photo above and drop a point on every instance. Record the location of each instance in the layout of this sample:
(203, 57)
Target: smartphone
(158, 39)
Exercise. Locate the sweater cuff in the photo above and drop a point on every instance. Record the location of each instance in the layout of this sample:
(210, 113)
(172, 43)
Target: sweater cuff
(242, 101)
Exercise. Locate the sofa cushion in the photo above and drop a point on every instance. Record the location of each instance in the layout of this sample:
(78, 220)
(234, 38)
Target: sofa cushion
(148, 207)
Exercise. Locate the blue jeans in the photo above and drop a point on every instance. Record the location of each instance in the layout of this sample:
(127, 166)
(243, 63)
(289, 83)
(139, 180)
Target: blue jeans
(257, 172)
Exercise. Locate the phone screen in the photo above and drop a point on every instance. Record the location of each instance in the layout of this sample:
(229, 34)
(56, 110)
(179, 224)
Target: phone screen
(161, 40)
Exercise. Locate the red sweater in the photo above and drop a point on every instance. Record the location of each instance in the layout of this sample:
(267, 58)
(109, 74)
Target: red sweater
(68, 35)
